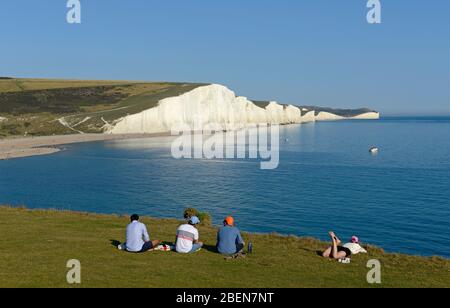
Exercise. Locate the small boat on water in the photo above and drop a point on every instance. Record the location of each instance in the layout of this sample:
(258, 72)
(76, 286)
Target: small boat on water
(374, 150)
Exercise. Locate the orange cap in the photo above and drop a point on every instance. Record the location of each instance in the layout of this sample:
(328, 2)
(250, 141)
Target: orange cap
(229, 220)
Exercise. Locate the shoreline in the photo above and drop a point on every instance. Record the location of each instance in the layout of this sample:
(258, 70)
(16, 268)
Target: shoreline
(15, 147)
(21, 147)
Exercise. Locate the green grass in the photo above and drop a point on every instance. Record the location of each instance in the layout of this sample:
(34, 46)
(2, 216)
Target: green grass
(37, 244)
(24, 84)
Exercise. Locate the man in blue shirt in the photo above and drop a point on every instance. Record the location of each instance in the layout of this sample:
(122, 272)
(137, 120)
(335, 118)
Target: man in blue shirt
(229, 239)
(138, 239)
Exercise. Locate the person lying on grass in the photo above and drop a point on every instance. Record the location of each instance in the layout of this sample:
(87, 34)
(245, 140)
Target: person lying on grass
(138, 239)
(187, 237)
(338, 252)
(229, 239)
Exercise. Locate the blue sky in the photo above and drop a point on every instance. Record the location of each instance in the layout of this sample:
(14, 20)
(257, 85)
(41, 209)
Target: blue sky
(314, 52)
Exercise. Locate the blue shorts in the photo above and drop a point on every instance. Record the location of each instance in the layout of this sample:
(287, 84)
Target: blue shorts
(146, 247)
(196, 247)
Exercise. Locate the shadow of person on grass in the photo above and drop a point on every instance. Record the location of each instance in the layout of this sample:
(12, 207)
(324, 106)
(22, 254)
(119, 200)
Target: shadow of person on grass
(210, 248)
(115, 243)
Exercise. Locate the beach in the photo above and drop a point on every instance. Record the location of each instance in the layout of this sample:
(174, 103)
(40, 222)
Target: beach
(33, 146)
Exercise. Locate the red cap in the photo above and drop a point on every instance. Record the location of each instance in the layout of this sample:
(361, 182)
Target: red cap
(229, 220)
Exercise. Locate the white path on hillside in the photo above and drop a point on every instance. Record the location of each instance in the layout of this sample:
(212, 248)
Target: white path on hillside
(64, 120)
(82, 121)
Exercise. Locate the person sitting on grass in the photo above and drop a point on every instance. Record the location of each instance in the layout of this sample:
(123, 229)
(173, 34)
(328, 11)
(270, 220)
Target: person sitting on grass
(338, 252)
(229, 239)
(187, 237)
(138, 239)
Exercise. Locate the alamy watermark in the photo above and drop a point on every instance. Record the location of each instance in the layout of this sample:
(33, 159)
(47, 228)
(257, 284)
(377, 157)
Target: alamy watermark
(374, 274)
(211, 141)
(74, 274)
(74, 14)
(374, 14)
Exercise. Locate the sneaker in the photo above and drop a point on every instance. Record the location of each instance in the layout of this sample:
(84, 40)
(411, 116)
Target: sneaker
(239, 255)
(345, 261)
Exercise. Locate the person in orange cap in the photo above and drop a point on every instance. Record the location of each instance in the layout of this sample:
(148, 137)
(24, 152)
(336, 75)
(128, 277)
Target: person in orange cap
(229, 239)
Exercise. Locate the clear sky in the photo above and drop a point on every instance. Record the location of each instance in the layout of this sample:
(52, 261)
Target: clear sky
(312, 52)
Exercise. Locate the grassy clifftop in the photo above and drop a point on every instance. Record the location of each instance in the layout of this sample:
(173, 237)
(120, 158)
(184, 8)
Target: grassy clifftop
(47, 107)
(36, 246)
(28, 84)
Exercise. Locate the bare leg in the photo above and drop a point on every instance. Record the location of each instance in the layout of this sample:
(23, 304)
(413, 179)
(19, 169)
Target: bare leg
(155, 243)
(327, 253)
(334, 237)
(335, 253)
(334, 250)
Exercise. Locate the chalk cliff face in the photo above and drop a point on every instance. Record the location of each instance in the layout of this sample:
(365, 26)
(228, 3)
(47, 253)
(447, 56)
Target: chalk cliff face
(367, 116)
(213, 104)
(327, 116)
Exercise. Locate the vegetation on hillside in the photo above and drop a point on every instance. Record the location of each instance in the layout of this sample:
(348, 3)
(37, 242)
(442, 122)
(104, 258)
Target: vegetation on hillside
(46, 107)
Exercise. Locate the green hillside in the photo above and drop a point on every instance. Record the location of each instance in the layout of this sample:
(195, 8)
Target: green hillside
(37, 107)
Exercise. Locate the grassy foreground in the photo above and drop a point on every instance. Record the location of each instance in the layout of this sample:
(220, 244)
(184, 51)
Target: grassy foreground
(37, 244)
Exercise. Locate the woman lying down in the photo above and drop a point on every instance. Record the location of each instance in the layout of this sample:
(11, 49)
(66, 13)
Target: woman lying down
(345, 252)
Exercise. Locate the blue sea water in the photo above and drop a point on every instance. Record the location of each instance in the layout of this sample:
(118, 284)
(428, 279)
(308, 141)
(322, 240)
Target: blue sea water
(326, 180)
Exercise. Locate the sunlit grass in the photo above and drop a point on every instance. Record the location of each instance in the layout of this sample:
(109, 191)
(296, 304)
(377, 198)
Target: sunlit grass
(37, 244)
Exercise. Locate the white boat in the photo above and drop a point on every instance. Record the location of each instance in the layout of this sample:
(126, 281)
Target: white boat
(374, 150)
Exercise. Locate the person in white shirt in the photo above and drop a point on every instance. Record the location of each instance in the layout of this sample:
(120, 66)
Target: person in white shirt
(187, 237)
(138, 239)
(339, 252)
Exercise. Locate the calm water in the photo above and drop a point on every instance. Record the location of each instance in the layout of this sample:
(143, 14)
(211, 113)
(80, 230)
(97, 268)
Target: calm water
(326, 180)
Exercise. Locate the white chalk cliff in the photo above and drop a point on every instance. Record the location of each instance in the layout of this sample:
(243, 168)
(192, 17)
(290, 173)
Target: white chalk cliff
(215, 104)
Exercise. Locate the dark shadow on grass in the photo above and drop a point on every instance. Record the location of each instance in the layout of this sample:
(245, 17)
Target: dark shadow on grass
(115, 243)
(210, 248)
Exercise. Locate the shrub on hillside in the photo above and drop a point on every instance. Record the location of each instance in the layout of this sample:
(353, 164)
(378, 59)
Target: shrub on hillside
(189, 212)
(205, 218)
